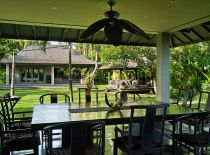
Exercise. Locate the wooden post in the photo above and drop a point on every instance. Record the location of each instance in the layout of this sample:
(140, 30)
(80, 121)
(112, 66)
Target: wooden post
(12, 91)
(70, 75)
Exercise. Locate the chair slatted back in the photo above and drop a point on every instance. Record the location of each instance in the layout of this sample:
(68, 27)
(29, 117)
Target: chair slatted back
(6, 111)
(154, 114)
(185, 97)
(54, 98)
(207, 108)
(207, 103)
(77, 136)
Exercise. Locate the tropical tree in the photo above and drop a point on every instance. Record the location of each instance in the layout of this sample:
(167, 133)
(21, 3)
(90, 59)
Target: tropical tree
(10, 47)
(190, 66)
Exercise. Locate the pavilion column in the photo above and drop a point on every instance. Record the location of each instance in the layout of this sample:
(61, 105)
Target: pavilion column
(163, 72)
(109, 76)
(52, 75)
(7, 74)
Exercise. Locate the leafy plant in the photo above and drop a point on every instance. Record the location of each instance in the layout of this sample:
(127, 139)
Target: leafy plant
(89, 79)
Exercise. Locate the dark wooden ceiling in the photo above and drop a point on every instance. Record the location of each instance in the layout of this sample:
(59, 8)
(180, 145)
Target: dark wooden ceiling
(182, 37)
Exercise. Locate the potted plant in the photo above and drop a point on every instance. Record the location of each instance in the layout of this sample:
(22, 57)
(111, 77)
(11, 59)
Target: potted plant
(88, 84)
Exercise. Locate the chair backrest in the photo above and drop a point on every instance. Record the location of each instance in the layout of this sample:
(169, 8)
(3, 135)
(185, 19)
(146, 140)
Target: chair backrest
(79, 137)
(206, 97)
(185, 97)
(54, 98)
(153, 121)
(6, 112)
(114, 104)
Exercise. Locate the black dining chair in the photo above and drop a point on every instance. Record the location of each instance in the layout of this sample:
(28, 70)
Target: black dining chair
(16, 135)
(184, 97)
(204, 99)
(203, 104)
(194, 140)
(78, 138)
(54, 98)
(149, 138)
(11, 119)
(18, 140)
(115, 105)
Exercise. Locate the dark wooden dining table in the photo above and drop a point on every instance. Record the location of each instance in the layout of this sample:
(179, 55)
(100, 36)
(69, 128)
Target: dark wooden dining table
(48, 114)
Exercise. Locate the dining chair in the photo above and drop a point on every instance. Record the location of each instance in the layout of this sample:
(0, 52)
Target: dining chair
(184, 97)
(16, 135)
(113, 104)
(85, 138)
(11, 119)
(204, 98)
(54, 98)
(150, 137)
(194, 140)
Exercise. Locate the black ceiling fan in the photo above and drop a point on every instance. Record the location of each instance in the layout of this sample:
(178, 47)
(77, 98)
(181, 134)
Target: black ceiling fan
(113, 27)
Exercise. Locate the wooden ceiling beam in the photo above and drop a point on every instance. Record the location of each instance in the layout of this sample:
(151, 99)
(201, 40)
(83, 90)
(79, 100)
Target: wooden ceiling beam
(17, 31)
(34, 32)
(0, 30)
(206, 27)
(197, 34)
(186, 36)
(64, 33)
(49, 33)
(173, 35)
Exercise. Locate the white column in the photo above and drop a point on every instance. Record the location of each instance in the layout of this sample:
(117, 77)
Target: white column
(52, 75)
(163, 72)
(7, 74)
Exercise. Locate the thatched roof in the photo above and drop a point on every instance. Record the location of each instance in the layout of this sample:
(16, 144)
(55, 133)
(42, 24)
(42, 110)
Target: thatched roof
(57, 55)
(129, 64)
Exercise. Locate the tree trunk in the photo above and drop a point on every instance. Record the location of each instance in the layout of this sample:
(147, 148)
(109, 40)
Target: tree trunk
(96, 66)
(12, 90)
(70, 75)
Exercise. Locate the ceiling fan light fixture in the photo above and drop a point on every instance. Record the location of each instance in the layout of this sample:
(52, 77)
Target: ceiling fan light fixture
(113, 27)
(111, 14)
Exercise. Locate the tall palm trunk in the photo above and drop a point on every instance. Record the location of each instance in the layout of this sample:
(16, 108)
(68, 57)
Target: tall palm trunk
(70, 75)
(12, 90)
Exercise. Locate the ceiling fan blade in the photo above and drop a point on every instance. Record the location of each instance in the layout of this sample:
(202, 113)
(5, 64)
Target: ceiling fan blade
(114, 33)
(93, 28)
(127, 25)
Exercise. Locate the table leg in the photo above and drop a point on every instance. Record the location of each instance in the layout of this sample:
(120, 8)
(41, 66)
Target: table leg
(123, 96)
(97, 95)
(79, 95)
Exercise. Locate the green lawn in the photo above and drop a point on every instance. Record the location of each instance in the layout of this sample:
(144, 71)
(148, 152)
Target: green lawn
(30, 96)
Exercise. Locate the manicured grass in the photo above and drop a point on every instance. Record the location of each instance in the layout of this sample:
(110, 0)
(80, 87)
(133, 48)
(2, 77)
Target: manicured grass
(30, 96)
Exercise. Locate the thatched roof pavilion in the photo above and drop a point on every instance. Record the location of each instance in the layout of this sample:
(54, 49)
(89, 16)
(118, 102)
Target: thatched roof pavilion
(57, 55)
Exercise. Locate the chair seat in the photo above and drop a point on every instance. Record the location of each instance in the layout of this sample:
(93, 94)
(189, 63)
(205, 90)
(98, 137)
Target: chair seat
(61, 151)
(21, 140)
(122, 142)
(202, 138)
(90, 150)
(20, 125)
(199, 120)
